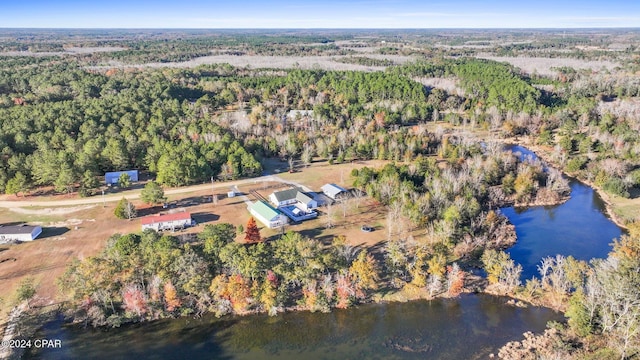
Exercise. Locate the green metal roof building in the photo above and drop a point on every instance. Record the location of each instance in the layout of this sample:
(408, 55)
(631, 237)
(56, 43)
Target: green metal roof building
(267, 215)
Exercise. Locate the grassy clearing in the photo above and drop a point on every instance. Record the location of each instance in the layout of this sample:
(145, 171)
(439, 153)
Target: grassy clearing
(327, 62)
(544, 66)
(626, 209)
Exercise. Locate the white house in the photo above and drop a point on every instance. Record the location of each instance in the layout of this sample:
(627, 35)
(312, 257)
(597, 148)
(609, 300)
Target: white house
(284, 197)
(294, 196)
(19, 233)
(267, 215)
(333, 191)
(167, 222)
(305, 202)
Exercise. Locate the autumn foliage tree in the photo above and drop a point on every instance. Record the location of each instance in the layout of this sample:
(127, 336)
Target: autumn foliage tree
(455, 280)
(268, 297)
(171, 299)
(239, 293)
(134, 300)
(252, 233)
(363, 270)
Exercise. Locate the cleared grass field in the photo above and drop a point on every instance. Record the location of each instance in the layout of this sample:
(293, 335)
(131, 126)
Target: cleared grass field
(71, 232)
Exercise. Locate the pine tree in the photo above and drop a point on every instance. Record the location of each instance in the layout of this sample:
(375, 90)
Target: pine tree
(153, 193)
(125, 210)
(124, 181)
(252, 233)
(17, 184)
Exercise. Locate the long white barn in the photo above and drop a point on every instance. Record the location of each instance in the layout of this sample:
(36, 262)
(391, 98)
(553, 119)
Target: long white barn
(172, 222)
(19, 233)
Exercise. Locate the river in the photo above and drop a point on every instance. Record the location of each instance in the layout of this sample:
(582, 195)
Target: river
(469, 327)
(579, 227)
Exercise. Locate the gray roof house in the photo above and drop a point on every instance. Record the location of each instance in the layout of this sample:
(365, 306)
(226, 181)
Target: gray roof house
(284, 197)
(295, 203)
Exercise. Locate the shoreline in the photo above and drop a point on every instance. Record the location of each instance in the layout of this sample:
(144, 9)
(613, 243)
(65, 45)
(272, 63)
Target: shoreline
(540, 152)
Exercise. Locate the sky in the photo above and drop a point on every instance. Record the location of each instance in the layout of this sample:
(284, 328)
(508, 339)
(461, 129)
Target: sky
(216, 14)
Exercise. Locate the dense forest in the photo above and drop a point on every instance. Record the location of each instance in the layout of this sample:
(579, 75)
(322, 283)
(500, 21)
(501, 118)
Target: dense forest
(64, 125)
(65, 121)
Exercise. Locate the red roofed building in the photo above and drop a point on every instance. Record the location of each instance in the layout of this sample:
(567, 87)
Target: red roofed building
(167, 222)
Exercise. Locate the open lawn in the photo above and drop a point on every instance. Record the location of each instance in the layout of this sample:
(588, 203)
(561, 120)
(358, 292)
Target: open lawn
(79, 231)
(65, 237)
(321, 172)
(627, 210)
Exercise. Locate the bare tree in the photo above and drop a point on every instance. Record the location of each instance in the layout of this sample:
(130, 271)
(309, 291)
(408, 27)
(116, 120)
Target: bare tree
(510, 276)
(307, 154)
(619, 300)
(358, 195)
(393, 218)
(345, 201)
(329, 214)
(434, 284)
(130, 210)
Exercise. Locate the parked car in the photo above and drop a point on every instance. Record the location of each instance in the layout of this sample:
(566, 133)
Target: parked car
(366, 228)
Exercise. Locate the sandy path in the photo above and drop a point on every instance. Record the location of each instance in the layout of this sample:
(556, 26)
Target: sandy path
(136, 194)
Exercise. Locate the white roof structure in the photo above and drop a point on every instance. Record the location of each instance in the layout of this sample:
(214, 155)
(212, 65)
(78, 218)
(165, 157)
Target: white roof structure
(332, 190)
(19, 233)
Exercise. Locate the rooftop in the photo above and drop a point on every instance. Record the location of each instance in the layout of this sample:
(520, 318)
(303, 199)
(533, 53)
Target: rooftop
(288, 194)
(16, 229)
(303, 198)
(332, 189)
(164, 218)
(263, 209)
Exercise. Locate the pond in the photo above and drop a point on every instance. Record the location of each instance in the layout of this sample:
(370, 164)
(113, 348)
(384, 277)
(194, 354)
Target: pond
(470, 327)
(579, 227)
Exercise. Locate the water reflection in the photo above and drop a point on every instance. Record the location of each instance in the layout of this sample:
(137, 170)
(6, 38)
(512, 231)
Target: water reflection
(472, 326)
(579, 227)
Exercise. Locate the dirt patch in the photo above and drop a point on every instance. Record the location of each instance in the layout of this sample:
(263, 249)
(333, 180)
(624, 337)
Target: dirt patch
(51, 211)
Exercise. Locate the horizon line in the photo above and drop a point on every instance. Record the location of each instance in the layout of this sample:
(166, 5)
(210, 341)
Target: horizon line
(328, 28)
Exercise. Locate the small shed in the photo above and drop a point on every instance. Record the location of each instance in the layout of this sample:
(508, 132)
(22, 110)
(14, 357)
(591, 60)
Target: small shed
(167, 222)
(333, 191)
(19, 233)
(267, 215)
(111, 178)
